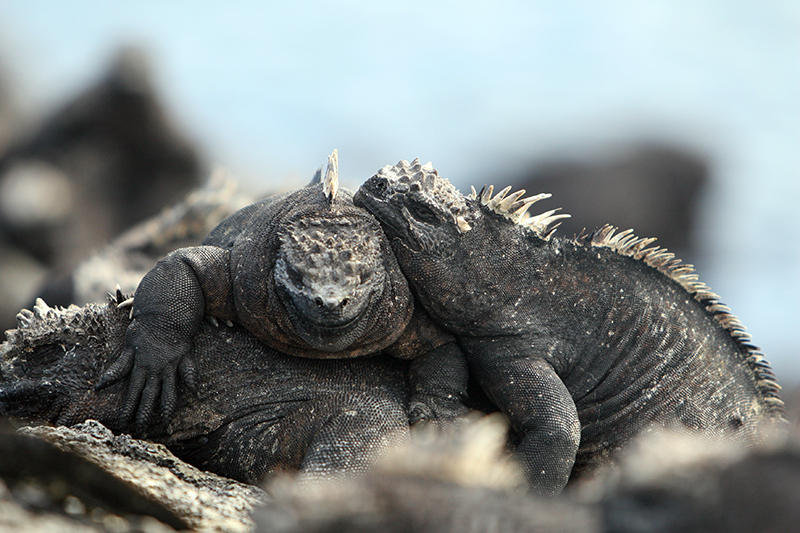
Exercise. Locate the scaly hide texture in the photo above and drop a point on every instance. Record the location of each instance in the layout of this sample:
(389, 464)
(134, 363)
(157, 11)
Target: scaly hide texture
(256, 412)
(307, 273)
(583, 343)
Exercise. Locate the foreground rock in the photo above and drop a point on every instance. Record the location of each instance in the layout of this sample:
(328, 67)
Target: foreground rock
(665, 483)
(89, 478)
(674, 483)
(463, 483)
(460, 483)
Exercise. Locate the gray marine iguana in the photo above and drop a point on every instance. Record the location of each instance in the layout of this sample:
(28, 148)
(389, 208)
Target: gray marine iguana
(309, 274)
(583, 343)
(256, 412)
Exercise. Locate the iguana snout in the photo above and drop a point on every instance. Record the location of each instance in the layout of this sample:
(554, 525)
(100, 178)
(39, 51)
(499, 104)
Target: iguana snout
(335, 304)
(327, 277)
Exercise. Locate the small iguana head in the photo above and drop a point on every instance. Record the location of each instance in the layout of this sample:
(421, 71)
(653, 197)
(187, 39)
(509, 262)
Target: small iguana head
(335, 274)
(314, 275)
(451, 247)
(329, 271)
(417, 207)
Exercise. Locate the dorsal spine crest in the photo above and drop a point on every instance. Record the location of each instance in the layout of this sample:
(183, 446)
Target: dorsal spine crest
(511, 207)
(627, 244)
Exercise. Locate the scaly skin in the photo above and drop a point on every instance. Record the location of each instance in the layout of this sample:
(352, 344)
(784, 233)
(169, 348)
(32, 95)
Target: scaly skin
(256, 412)
(307, 273)
(583, 343)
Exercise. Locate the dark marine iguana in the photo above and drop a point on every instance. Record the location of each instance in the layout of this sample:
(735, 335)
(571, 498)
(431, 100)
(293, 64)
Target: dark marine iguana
(256, 411)
(307, 273)
(583, 343)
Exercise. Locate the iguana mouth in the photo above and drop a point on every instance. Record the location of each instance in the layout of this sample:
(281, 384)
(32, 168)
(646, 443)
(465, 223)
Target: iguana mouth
(337, 328)
(329, 337)
(371, 196)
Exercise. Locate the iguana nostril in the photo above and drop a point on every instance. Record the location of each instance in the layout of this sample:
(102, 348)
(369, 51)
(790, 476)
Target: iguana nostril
(330, 303)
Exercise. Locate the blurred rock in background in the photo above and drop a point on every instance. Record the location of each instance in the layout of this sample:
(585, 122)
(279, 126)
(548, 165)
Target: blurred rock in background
(106, 160)
(651, 188)
(125, 260)
(9, 114)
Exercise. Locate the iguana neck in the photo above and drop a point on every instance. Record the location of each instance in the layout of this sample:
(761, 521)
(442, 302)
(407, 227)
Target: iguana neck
(562, 282)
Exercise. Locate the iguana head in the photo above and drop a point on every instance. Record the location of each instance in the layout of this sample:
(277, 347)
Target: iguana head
(51, 362)
(416, 206)
(314, 275)
(423, 210)
(430, 227)
(451, 247)
(339, 286)
(329, 272)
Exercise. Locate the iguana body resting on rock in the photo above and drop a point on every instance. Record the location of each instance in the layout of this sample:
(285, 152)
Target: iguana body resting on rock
(583, 343)
(307, 273)
(255, 412)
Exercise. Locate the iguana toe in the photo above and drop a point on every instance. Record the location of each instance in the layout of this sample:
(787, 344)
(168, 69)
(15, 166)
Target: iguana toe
(117, 371)
(187, 372)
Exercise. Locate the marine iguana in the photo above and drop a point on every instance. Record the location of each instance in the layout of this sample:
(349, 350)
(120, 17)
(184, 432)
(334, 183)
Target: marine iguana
(583, 343)
(307, 273)
(256, 411)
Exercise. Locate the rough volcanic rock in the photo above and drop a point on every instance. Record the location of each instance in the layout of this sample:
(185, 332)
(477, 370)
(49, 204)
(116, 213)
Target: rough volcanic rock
(97, 474)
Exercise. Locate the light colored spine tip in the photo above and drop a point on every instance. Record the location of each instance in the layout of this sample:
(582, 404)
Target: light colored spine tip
(330, 184)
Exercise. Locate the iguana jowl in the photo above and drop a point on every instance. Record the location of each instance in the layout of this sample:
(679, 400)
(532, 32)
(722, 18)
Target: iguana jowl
(583, 343)
(307, 273)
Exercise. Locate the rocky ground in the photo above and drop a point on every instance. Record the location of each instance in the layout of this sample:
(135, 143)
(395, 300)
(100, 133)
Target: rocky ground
(90, 479)
(87, 479)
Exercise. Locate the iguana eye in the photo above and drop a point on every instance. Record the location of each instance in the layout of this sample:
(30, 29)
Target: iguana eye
(295, 278)
(423, 213)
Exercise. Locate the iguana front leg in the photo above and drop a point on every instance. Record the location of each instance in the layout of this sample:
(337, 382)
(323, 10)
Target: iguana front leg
(438, 373)
(528, 391)
(438, 381)
(168, 309)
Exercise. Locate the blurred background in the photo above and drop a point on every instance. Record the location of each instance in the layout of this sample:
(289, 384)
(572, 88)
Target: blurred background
(680, 119)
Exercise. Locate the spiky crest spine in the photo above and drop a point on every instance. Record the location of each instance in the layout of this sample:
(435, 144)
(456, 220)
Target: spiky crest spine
(627, 244)
(516, 210)
(331, 182)
(45, 324)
